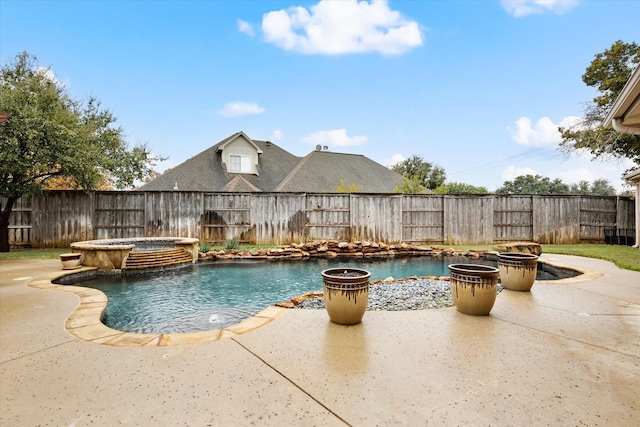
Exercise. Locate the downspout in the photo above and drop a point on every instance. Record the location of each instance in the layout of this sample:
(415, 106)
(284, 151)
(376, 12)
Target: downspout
(617, 125)
(637, 245)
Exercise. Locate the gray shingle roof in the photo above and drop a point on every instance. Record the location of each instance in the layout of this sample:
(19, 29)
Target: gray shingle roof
(278, 171)
(321, 172)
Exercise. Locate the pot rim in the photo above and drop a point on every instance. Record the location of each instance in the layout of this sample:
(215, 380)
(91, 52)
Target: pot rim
(473, 269)
(517, 256)
(364, 274)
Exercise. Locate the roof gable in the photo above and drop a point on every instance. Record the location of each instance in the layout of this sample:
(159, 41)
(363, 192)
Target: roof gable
(235, 139)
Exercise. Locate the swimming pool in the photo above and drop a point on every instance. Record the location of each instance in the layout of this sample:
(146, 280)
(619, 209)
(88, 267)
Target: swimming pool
(212, 295)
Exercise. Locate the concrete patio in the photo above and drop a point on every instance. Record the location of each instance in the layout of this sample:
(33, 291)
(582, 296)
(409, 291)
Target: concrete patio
(568, 353)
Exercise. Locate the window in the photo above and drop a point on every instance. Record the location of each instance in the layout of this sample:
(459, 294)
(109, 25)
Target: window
(239, 164)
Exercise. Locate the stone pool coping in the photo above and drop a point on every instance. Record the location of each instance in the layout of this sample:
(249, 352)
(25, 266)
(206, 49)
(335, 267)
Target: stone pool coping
(112, 254)
(85, 324)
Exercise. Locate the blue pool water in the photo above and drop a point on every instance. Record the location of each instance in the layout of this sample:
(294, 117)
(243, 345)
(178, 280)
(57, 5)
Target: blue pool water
(213, 295)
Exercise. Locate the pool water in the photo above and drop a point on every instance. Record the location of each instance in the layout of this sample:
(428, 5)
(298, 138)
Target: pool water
(212, 295)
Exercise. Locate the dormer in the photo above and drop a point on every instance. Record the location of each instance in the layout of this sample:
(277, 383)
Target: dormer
(239, 154)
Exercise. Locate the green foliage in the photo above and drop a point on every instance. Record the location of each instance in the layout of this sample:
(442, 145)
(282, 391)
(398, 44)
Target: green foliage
(204, 247)
(460, 188)
(533, 184)
(411, 186)
(599, 187)
(608, 73)
(426, 174)
(530, 184)
(49, 135)
(230, 244)
(342, 188)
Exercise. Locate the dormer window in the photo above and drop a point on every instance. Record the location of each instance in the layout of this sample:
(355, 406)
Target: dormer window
(239, 164)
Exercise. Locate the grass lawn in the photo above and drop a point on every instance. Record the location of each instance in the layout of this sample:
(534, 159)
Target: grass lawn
(623, 256)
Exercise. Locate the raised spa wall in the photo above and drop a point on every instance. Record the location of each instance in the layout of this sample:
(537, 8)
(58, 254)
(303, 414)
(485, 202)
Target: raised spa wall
(112, 254)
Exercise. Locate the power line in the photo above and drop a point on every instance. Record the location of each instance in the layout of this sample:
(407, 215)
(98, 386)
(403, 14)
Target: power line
(515, 158)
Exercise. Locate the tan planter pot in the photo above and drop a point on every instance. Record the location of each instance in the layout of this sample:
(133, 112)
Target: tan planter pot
(517, 271)
(70, 261)
(474, 288)
(346, 294)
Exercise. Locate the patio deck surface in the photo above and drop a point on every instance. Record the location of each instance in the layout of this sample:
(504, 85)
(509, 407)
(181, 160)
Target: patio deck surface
(567, 353)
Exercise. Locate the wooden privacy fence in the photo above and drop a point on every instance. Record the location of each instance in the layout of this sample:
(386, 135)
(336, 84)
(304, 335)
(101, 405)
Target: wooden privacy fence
(59, 218)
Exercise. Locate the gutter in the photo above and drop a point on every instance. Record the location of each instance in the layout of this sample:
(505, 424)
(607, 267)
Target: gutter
(618, 126)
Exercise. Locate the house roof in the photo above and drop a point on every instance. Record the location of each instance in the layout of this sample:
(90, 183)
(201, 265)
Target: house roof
(278, 171)
(624, 115)
(322, 171)
(205, 171)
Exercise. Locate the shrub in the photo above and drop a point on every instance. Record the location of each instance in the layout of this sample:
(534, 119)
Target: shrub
(204, 247)
(230, 244)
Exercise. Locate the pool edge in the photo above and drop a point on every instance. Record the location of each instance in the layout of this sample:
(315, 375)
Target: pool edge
(84, 322)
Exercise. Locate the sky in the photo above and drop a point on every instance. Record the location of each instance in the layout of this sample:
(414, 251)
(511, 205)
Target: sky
(478, 88)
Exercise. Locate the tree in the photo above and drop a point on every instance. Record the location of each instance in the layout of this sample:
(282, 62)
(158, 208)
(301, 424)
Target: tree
(342, 188)
(599, 187)
(460, 188)
(410, 186)
(608, 73)
(530, 184)
(426, 174)
(50, 135)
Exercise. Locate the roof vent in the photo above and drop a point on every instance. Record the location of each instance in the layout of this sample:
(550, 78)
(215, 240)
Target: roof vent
(318, 147)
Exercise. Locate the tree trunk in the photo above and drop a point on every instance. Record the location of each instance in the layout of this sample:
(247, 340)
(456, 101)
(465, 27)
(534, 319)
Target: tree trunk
(4, 224)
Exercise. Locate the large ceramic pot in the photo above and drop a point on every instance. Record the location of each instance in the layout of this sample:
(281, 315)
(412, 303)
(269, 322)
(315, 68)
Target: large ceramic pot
(474, 288)
(517, 270)
(346, 294)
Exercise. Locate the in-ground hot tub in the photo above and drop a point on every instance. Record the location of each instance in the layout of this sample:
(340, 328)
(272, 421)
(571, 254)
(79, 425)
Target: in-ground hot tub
(112, 254)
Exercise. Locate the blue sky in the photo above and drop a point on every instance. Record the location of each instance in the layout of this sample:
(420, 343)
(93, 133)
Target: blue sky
(476, 87)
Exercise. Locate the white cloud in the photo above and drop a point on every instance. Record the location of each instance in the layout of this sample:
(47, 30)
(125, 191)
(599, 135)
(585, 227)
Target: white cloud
(276, 135)
(340, 27)
(511, 172)
(573, 176)
(234, 109)
(543, 133)
(245, 27)
(336, 137)
(395, 159)
(48, 74)
(521, 8)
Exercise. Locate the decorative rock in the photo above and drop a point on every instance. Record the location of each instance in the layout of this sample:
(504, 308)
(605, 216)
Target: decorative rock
(520, 247)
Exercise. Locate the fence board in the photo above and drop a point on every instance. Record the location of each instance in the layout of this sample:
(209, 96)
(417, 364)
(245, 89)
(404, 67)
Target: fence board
(59, 218)
(119, 215)
(376, 218)
(596, 215)
(278, 218)
(328, 216)
(20, 222)
(512, 218)
(227, 217)
(423, 218)
(468, 219)
(556, 220)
